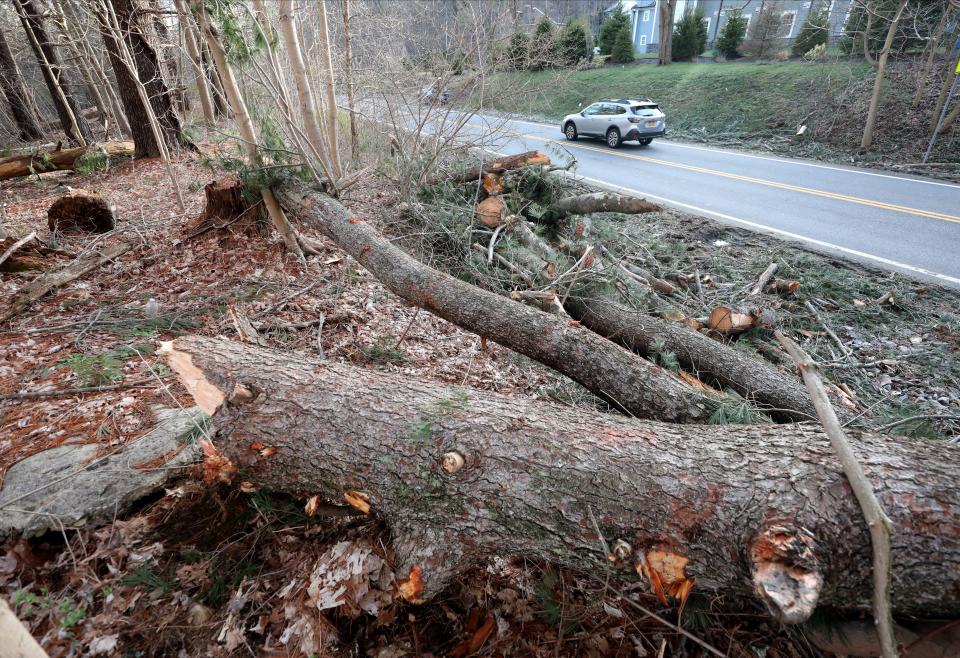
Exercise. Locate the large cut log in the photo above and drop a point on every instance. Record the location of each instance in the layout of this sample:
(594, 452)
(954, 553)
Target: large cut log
(58, 159)
(629, 382)
(461, 476)
(498, 166)
(585, 204)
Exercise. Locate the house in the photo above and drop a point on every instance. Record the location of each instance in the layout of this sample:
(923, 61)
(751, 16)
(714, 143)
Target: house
(645, 29)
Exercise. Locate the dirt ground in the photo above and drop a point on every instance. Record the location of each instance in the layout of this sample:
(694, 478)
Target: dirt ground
(209, 570)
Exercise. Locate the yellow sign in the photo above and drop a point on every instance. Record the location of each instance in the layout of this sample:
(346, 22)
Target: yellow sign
(958, 66)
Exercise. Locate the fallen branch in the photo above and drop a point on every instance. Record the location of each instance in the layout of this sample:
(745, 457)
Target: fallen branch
(632, 384)
(462, 475)
(40, 286)
(58, 160)
(58, 392)
(585, 204)
(823, 323)
(879, 523)
(16, 245)
(762, 281)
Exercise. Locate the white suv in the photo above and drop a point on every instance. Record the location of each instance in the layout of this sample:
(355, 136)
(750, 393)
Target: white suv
(617, 121)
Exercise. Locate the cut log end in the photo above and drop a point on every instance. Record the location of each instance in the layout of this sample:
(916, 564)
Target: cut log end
(81, 211)
(786, 573)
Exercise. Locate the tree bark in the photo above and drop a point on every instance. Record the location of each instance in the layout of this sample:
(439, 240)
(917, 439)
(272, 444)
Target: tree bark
(462, 476)
(61, 160)
(667, 9)
(145, 71)
(867, 140)
(630, 383)
(348, 74)
(54, 74)
(16, 93)
(329, 83)
(189, 38)
(585, 204)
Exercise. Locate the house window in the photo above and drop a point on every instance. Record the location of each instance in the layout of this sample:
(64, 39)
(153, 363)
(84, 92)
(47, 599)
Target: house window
(709, 18)
(643, 39)
(787, 20)
(646, 15)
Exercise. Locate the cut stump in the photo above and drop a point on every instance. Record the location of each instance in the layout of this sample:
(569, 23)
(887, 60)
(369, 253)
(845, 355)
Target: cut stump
(226, 205)
(81, 211)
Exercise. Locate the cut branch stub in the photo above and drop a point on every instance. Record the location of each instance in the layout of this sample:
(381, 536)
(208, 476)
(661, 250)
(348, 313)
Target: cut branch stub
(786, 572)
(81, 211)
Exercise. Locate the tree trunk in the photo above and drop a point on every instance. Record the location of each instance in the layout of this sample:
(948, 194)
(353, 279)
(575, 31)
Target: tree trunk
(329, 81)
(667, 9)
(144, 70)
(949, 75)
(867, 141)
(462, 476)
(189, 38)
(245, 125)
(16, 93)
(348, 73)
(867, 55)
(585, 204)
(54, 74)
(59, 160)
(221, 106)
(931, 51)
(628, 382)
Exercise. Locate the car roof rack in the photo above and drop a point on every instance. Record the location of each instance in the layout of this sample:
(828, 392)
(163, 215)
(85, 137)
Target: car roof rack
(625, 100)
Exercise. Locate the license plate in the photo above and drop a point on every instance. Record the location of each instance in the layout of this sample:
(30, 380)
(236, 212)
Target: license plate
(651, 124)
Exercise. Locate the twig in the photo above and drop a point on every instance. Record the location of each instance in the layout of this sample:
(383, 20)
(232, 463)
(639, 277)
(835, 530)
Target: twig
(285, 300)
(30, 395)
(696, 280)
(762, 281)
(493, 242)
(826, 327)
(407, 330)
(523, 274)
(320, 351)
(878, 522)
(16, 245)
(903, 421)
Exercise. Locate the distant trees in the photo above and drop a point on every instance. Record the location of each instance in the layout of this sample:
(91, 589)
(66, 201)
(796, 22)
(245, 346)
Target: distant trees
(547, 48)
(815, 31)
(615, 23)
(867, 25)
(518, 51)
(16, 93)
(573, 44)
(765, 30)
(542, 45)
(731, 36)
(690, 35)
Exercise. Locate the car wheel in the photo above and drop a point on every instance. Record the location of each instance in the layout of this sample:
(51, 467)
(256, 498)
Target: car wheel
(613, 138)
(570, 130)
(645, 142)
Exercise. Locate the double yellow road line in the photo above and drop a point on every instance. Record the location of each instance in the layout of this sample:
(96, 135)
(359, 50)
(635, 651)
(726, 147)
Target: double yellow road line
(760, 181)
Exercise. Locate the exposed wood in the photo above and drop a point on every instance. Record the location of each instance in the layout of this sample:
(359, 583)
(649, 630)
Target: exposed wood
(17, 641)
(703, 504)
(82, 211)
(585, 204)
(762, 281)
(498, 166)
(13, 247)
(58, 159)
(40, 286)
(877, 520)
(491, 212)
(783, 287)
(729, 322)
(626, 380)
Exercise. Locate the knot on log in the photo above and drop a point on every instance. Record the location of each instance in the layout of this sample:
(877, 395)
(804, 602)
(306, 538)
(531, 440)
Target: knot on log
(82, 211)
(786, 572)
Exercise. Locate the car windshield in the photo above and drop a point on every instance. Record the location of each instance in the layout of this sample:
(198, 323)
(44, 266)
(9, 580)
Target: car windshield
(644, 110)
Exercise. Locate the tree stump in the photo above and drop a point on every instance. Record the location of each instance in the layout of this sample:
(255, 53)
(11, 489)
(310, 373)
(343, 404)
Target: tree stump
(81, 211)
(225, 205)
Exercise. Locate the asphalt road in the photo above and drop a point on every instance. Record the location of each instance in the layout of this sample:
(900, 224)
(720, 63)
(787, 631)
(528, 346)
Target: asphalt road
(904, 223)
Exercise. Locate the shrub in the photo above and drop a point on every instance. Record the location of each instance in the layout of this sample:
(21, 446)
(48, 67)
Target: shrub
(622, 46)
(765, 30)
(816, 54)
(689, 36)
(518, 52)
(815, 31)
(732, 34)
(782, 55)
(611, 28)
(542, 45)
(573, 44)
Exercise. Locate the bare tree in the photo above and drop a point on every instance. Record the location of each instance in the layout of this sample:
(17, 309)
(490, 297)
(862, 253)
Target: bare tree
(16, 93)
(54, 74)
(328, 85)
(348, 74)
(193, 53)
(868, 129)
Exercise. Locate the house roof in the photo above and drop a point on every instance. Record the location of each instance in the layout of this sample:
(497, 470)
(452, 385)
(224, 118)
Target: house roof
(630, 5)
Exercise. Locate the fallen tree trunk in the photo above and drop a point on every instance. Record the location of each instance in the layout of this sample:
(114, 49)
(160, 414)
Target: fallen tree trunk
(629, 382)
(585, 204)
(498, 166)
(43, 284)
(58, 159)
(461, 476)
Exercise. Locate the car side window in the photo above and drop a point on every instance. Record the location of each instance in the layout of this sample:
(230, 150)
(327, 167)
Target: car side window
(593, 109)
(619, 110)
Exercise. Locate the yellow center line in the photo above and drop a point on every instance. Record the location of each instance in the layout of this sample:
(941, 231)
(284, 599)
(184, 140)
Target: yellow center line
(760, 181)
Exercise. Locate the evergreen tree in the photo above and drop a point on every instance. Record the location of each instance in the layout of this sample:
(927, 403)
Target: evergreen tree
(518, 52)
(814, 31)
(732, 34)
(573, 43)
(765, 30)
(611, 27)
(622, 51)
(689, 35)
(542, 45)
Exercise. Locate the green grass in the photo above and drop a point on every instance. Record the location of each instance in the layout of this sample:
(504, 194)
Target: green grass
(716, 98)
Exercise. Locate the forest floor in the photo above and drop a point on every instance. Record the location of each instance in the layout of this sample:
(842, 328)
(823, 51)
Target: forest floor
(208, 570)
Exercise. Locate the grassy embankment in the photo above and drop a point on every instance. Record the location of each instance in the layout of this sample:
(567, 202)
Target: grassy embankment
(749, 104)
